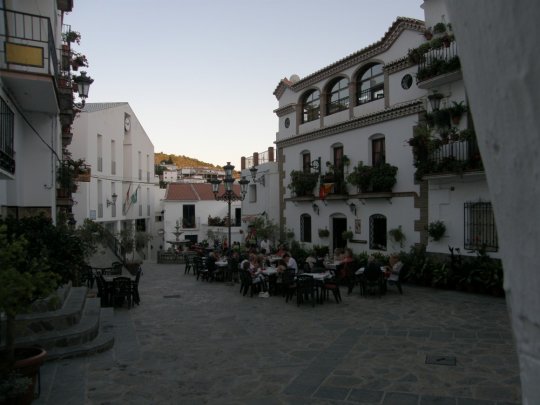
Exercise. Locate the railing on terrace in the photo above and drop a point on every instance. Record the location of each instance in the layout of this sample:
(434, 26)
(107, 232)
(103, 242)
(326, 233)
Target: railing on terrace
(455, 157)
(438, 61)
(263, 158)
(32, 37)
(190, 223)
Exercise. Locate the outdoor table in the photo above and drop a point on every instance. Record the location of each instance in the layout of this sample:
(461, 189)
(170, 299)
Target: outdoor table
(361, 270)
(270, 271)
(331, 265)
(222, 263)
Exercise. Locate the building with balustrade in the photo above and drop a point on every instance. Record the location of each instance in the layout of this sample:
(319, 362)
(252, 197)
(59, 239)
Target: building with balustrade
(377, 150)
(38, 89)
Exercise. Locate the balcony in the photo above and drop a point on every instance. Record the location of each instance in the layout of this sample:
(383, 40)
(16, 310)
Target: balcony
(439, 66)
(28, 60)
(450, 155)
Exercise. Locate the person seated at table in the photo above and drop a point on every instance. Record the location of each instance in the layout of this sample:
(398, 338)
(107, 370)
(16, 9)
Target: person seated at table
(347, 268)
(391, 272)
(338, 254)
(257, 276)
(265, 246)
(290, 262)
(211, 260)
(281, 251)
(310, 261)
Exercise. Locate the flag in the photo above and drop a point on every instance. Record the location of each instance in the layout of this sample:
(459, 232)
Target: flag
(126, 201)
(134, 196)
(325, 189)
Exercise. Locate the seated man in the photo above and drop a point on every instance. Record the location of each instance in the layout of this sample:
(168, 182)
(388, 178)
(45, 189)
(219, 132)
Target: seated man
(290, 262)
(394, 267)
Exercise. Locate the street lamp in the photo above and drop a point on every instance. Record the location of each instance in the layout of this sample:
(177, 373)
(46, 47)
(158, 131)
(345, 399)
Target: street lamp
(83, 83)
(228, 194)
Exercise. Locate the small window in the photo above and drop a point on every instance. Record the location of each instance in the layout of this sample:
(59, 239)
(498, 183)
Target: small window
(479, 227)
(377, 232)
(371, 84)
(311, 106)
(188, 212)
(378, 154)
(252, 193)
(338, 96)
(306, 162)
(305, 228)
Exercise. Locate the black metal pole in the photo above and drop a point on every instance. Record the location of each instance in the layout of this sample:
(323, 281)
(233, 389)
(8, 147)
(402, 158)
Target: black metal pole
(229, 223)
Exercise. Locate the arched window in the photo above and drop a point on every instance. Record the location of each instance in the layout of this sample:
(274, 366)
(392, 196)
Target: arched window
(370, 84)
(377, 232)
(305, 228)
(378, 151)
(311, 106)
(338, 96)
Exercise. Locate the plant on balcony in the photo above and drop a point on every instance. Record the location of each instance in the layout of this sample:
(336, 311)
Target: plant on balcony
(456, 111)
(383, 177)
(72, 36)
(436, 230)
(67, 173)
(439, 28)
(324, 233)
(361, 177)
(79, 60)
(302, 183)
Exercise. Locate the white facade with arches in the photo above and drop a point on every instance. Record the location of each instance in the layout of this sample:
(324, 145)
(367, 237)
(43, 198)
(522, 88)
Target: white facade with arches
(360, 109)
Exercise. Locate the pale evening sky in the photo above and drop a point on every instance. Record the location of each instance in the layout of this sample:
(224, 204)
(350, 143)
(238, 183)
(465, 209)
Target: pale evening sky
(199, 74)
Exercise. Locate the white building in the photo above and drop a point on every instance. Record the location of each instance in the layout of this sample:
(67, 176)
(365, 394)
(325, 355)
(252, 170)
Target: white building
(262, 196)
(189, 205)
(361, 108)
(457, 188)
(110, 138)
(36, 102)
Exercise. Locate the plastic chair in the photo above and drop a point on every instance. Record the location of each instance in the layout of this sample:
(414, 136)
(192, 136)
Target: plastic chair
(122, 291)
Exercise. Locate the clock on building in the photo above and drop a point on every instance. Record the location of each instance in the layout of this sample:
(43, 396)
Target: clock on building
(127, 123)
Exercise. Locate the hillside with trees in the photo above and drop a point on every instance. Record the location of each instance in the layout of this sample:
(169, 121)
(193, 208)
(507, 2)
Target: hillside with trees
(181, 161)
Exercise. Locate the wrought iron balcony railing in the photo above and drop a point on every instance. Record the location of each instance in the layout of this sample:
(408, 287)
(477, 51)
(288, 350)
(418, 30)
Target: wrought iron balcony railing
(438, 61)
(454, 157)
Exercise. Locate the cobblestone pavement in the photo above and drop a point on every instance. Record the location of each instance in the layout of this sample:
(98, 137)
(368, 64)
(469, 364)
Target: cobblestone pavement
(194, 342)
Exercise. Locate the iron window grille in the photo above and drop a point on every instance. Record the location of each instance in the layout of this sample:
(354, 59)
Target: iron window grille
(480, 231)
(7, 153)
(371, 84)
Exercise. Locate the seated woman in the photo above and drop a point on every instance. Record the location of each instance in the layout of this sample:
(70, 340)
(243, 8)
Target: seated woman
(392, 270)
(255, 269)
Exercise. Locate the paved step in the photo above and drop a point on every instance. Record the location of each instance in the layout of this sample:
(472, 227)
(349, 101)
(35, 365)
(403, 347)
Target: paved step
(81, 332)
(103, 341)
(27, 325)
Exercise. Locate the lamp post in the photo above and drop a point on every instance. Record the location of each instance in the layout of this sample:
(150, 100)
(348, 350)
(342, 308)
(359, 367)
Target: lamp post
(228, 194)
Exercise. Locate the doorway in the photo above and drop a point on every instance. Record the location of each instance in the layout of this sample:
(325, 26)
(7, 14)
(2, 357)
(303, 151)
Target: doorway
(339, 225)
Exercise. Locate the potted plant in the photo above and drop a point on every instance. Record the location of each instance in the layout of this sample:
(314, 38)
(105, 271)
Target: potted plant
(398, 235)
(324, 233)
(133, 242)
(456, 111)
(361, 177)
(24, 278)
(72, 36)
(439, 28)
(347, 235)
(436, 230)
(428, 33)
(383, 177)
(302, 183)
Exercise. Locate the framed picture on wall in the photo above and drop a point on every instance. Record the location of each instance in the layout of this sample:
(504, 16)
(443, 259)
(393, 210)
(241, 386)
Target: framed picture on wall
(357, 226)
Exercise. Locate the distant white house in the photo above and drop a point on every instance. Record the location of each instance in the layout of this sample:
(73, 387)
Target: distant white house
(187, 208)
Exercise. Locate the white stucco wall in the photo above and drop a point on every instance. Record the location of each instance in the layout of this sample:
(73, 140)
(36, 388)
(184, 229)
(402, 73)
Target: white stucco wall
(509, 65)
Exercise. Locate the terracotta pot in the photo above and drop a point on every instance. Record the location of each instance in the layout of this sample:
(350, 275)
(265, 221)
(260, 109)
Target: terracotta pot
(28, 360)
